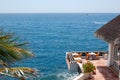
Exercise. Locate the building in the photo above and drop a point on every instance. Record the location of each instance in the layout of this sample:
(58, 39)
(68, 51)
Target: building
(110, 33)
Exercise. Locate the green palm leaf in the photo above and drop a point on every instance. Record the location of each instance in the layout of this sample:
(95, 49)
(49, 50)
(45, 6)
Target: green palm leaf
(10, 51)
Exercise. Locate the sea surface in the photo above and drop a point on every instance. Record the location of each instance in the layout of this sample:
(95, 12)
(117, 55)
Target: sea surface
(52, 35)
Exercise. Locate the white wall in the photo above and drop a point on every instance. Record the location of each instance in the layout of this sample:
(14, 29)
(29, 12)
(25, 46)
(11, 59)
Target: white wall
(110, 52)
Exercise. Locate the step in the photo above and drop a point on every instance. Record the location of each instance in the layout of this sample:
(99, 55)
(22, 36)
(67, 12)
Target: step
(115, 71)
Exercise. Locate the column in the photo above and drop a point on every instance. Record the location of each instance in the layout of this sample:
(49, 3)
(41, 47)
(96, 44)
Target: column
(110, 51)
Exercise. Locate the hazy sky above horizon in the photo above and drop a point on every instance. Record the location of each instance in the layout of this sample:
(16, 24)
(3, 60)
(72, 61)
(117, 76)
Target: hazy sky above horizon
(59, 6)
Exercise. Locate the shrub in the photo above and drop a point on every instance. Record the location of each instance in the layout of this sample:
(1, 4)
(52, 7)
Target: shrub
(88, 67)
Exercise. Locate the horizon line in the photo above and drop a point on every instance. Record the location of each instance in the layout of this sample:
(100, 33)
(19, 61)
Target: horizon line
(59, 12)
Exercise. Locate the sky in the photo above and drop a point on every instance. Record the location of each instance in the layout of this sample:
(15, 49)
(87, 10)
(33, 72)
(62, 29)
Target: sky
(59, 6)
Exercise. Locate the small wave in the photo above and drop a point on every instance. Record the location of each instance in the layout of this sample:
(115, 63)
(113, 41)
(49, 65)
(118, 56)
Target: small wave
(67, 76)
(100, 22)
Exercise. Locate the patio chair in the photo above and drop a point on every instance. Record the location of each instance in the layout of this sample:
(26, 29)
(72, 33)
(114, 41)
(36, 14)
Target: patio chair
(80, 54)
(87, 55)
(97, 55)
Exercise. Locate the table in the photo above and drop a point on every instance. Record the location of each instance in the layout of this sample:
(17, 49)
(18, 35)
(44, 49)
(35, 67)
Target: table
(75, 55)
(78, 59)
(92, 56)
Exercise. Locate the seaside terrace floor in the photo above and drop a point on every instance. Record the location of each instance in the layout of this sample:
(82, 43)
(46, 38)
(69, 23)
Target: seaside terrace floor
(102, 71)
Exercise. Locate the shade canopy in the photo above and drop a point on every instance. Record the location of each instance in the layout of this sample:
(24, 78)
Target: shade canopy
(110, 31)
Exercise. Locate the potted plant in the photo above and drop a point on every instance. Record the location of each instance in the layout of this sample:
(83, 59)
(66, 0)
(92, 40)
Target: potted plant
(88, 69)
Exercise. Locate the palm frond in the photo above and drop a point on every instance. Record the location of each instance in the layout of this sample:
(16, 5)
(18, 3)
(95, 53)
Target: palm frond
(19, 72)
(11, 50)
(21, 44)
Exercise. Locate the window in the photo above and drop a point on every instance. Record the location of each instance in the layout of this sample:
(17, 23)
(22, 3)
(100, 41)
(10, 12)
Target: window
(116, 58)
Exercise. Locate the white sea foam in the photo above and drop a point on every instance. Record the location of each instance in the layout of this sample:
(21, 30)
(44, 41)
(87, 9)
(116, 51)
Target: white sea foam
(100, 22)
(67, 76)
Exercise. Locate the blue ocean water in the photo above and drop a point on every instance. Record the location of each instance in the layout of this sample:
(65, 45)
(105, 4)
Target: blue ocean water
(52, 35)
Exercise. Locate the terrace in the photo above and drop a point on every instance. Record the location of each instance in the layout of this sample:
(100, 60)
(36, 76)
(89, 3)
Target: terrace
(102, 71)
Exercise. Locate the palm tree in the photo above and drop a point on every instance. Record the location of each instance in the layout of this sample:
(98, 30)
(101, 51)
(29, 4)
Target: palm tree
(11, 50)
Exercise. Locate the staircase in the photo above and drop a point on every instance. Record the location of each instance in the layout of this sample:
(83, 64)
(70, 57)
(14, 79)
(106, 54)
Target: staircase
(115, 71)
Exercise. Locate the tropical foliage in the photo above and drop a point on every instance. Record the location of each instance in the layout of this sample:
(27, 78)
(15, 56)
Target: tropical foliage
(88, 67)
(11, 50)
(21, 73)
